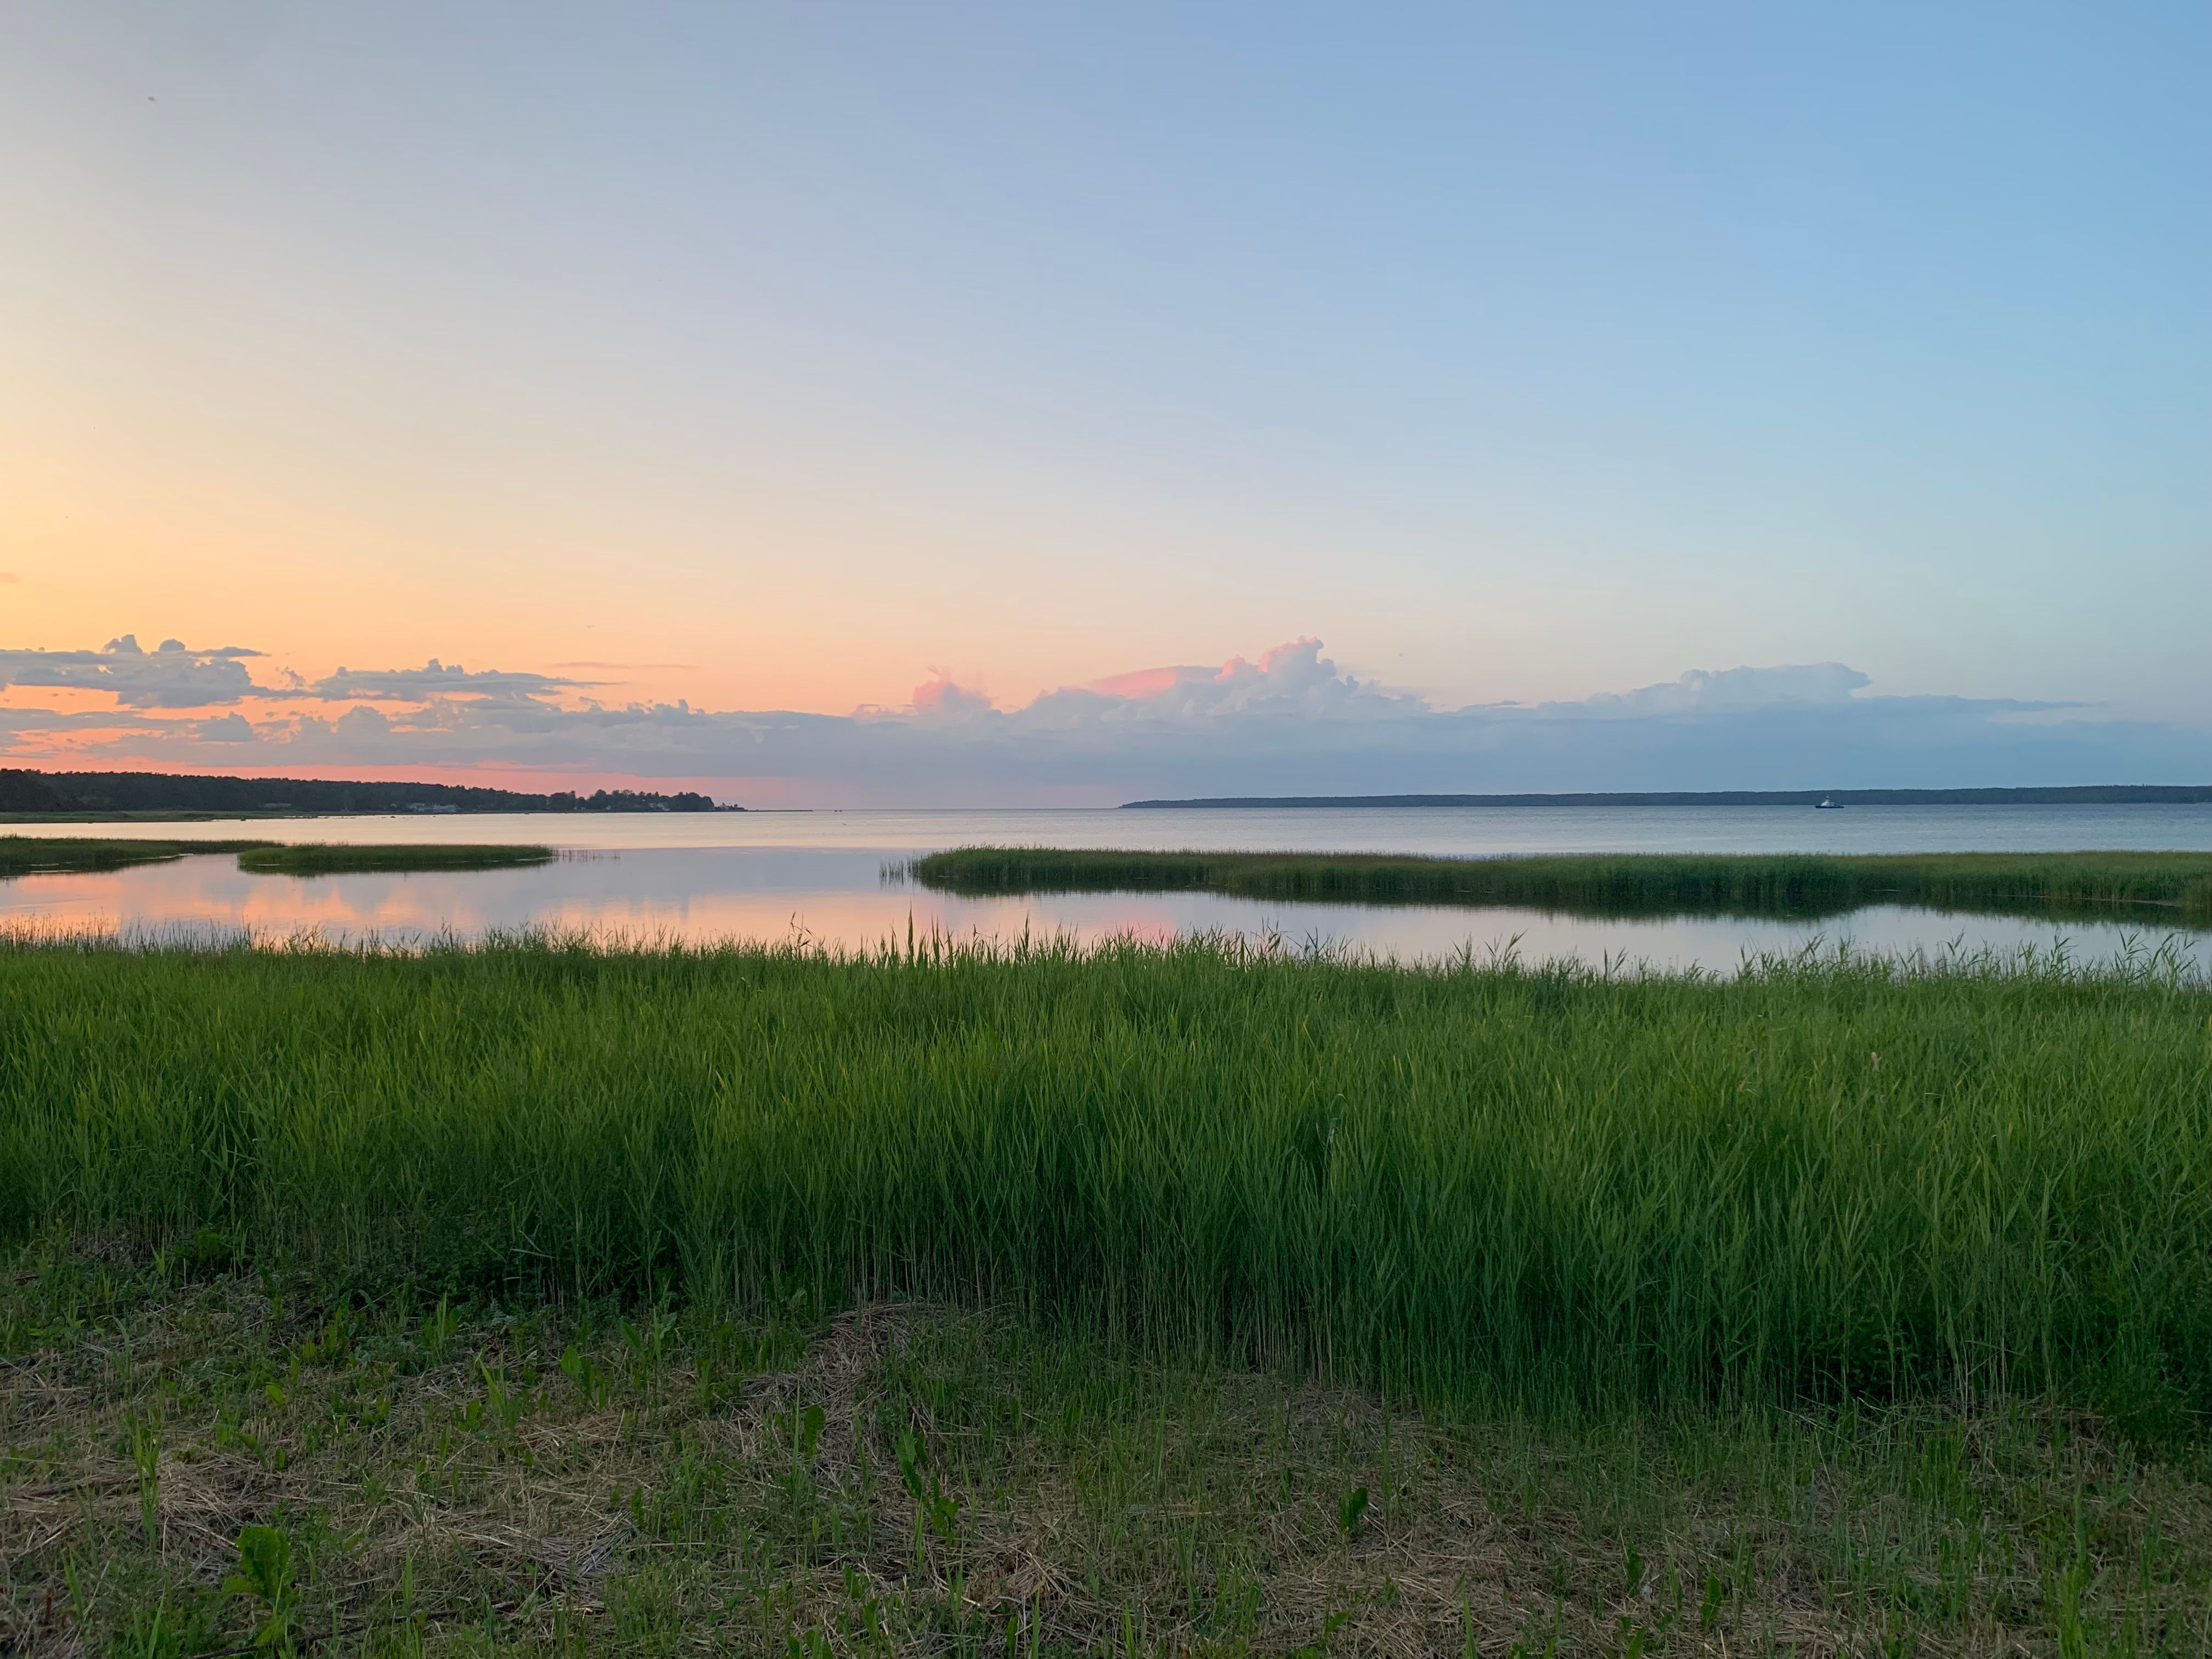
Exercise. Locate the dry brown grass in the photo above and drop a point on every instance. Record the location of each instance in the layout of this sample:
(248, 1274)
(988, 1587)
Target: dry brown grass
(664, 1497)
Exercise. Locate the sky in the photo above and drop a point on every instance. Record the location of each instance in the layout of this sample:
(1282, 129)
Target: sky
(950, 405)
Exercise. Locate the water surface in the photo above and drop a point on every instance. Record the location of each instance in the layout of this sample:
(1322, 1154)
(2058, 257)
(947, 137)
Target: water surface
(1436, 830)
(820, 878)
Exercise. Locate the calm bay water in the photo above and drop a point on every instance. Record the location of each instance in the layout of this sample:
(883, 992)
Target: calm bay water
(821, 877)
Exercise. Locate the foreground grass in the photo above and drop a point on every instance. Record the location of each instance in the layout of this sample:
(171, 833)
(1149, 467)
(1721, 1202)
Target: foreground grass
(1476, 1184)
(2065, 883)
(25, 855)
(207, 1456)
(338, 858)
(554, 1299)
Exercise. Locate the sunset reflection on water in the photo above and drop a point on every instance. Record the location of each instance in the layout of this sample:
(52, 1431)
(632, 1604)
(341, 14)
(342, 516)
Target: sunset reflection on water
(843, 899)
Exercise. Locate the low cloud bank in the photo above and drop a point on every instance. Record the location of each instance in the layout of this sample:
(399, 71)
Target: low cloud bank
(169, 677)
(1291, 722)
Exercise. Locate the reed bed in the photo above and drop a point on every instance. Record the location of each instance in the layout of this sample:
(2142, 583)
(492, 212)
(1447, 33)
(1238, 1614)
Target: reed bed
(338, 858)
(1755, 885)
(1478, 1181)
(23, 855)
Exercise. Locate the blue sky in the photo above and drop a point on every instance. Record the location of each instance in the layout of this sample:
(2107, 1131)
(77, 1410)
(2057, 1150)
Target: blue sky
(786, 358)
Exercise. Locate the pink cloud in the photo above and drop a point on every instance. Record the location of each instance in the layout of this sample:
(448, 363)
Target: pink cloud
(939, 696)
(1287, 721)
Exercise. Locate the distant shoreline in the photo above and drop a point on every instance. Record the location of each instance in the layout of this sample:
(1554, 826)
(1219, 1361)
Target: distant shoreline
(28, 796)
(2117, 794)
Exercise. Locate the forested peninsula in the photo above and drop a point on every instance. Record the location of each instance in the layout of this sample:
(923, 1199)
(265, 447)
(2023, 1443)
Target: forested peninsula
(163, 794)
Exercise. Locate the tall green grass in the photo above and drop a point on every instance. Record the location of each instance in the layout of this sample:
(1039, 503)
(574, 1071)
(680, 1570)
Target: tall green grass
(26, 855)
(1484, 1180)
(2077, 884)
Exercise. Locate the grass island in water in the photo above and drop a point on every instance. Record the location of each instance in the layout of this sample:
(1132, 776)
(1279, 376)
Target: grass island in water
(337, 857)
(31, 855)
(2175, 884)
(24, 855)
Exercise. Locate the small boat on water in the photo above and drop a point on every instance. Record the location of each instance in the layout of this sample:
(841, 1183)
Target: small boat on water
(1824, 805)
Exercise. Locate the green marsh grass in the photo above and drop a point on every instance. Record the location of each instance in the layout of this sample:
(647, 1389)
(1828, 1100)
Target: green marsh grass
(339, 858)
(1758, 885)
(25, 855)
(550, 1296)
(1469, 1182)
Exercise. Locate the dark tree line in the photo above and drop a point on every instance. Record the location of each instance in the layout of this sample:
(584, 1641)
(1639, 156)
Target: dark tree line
(160, 791)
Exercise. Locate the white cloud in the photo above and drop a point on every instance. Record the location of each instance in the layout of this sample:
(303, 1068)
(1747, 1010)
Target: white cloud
(434, 679)
(1739, 690)
(170, 676)
(1292, 682)
(1291, 723)
(939, 700)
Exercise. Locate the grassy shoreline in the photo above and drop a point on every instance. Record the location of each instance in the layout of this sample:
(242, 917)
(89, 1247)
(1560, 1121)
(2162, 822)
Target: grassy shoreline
(25, 855)
(2179, 885)
(156, 815)
(1143, 1301)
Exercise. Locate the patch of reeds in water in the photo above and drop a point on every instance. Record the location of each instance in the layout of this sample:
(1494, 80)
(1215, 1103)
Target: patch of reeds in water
(22, 855)
(1751, 884)
(1480, 1180)
(338, 858)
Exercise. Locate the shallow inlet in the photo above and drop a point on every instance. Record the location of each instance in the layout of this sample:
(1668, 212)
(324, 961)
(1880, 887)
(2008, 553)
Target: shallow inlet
(841, 898)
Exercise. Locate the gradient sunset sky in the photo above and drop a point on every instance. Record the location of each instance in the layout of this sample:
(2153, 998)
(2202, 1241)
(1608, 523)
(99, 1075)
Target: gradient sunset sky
(924, 361)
